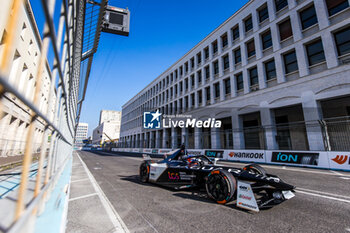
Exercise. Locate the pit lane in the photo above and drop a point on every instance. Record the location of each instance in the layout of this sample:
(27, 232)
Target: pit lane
(322, 202)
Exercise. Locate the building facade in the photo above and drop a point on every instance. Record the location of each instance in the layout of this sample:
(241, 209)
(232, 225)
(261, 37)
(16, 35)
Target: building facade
(276, 73)
(14, 123)
(108, 128)
(81, 134)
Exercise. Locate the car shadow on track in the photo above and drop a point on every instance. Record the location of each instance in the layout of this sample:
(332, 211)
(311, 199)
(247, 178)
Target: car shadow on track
(194, 193)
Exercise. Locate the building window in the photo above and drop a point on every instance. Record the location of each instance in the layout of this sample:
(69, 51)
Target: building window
(224, 40)
(226, 62)
(216, 67)
(186, 84)
(237, 54)
(335, 6)
(251, 48)
(192, 99)
(227, 84)
(239, 81)
(308, 17)
(207, 92)
(206, 53)
(207, 72)
(235, 33)
(199, 75)
(315, 52)
(248, 24)
(253, 76)
(175, 74)
(181, 87)
(199, 58)
(270, 70)
(280, 4)
(186, 67)
(266, 40)
(217, 90)
(263, 14)
(192, 81)
(285, 30)
(199, 97)
(181, 70)
(342, 40)
(290, 62)
(192, 62)
(215, 46)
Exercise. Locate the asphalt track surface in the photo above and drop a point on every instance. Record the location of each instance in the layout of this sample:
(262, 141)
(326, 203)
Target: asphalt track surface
(321, 204)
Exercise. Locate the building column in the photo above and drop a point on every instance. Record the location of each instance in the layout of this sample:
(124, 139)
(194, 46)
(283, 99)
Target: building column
(296, 26)
(329, 48)
(258, 47)
(268, 122)
(322, 14)
(275, 36)
(271, 9)
(215, 138)
(222, 90)
(173, 138)
(198, 138)
(233, 86)
(142, 138)
(237, 130)
(165, 139)
(184, 136)
(262, 76)
(158, 142)
(312, 113)
(152, 139)
(281, 78)
(246, 82)
(302, 60)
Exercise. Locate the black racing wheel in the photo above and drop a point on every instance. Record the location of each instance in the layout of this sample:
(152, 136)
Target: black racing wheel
(220, 186)
(144, 172)
(257, 169)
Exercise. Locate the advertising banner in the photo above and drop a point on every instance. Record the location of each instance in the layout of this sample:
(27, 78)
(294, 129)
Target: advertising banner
(195, 151)
(214, 153)
(298, 158)
(147, 150)
(163, 151)
(154, 151)
(339, 160)
(135, 150)
(245, 155)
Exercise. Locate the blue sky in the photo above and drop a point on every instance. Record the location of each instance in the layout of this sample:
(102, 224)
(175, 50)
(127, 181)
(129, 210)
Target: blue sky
(161, 32)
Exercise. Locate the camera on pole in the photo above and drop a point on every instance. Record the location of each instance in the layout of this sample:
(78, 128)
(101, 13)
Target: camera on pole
(116, 20)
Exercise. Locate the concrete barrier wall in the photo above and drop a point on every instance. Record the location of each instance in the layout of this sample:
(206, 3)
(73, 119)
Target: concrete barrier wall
(315, 159)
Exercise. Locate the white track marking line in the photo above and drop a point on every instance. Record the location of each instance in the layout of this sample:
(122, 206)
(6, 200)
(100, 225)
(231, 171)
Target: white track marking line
(117, 221)
(324, 193)
(323, 196)
(84, 196)
(73, 181)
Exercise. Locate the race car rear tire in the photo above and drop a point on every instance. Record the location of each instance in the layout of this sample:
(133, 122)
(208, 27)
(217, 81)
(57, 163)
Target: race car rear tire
(220, 186)
(257, 169)
(144, 172)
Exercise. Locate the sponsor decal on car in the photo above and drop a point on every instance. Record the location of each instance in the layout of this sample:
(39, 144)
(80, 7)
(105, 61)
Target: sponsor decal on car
(295, 157)
(245, 197)
(173, 176)
(184, 176)
(246, 155)
(214, 153)
(341, 159)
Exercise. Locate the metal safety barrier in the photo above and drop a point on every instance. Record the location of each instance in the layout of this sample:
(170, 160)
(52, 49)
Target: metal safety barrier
(43, 107)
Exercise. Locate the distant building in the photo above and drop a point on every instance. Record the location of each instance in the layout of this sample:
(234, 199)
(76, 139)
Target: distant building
(108, 128)
(82, 133)
(14, 124)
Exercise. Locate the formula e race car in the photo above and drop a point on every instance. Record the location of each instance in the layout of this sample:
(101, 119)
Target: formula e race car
(250, 186)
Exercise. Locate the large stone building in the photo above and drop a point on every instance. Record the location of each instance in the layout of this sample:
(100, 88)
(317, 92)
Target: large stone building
(276, 73)
(108, 128)
(14, 123)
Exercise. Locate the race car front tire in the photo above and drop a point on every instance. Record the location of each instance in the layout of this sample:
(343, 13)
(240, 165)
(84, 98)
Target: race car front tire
(144, 172)
(220, 186)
